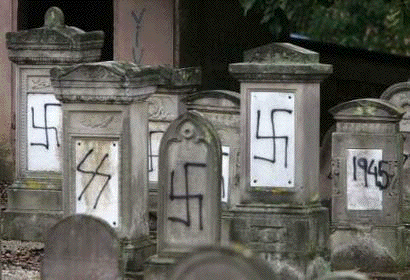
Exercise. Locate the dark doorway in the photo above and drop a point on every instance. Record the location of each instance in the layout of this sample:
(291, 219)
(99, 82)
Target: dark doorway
(87, 15)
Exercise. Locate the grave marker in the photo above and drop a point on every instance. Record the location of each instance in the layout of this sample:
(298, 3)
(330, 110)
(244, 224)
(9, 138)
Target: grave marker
(366, 171)
(280, 211)
(189, 191)
(105, 121)
(35, 198)
(81, 247)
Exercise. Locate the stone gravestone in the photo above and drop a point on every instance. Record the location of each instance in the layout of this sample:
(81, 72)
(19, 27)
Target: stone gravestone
(35, 198)
(81, 247)
(189, 191)
(280, 214)
(366, 170)
(399, 95)
(221, 264)
(164, 106)
(105, 121)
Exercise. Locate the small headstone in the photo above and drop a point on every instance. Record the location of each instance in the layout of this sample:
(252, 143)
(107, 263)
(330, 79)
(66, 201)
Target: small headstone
(81, 247)
(189, 185)
(221, 263)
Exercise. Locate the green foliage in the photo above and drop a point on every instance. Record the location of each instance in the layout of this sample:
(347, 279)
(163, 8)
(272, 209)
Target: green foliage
(382, 25)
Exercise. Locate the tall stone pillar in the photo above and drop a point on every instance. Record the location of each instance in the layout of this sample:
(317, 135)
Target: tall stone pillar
(105, 159)
(35, 198)
(280, 215)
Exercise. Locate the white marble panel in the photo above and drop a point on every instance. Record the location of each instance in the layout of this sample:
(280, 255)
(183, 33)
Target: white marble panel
(364, 169)
(272, 147)
(44, 132)
(225, 174)
(97, 179)
(156, 131)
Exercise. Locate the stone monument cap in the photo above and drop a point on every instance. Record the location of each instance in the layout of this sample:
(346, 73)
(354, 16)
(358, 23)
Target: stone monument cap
(367, 109)
(281, 53)
(214, 100)
(54, 43)
(102, 82)
(282, 62)
(180, 77)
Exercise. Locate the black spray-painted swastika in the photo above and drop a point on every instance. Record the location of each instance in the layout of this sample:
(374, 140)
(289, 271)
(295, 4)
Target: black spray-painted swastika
(94, 174)
(46, 128)
(187, 196)
(151, 154)
(274, 137)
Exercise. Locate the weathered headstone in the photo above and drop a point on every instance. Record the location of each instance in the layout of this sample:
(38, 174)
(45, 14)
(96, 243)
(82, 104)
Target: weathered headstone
(35, 198)
(366, 172)
(221, 263)
(280, 215)
(105, 121)
(399, 95)
(164, 106)
(189, 191)
(81, 247)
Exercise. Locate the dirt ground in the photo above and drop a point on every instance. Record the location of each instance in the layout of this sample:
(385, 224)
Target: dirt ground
(21, 260)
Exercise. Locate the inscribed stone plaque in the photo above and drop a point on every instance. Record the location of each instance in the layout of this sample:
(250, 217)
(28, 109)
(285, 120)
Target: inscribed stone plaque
(44, 132)
(365, 179)
(272, 147)
(97, 179)
(190, 184)
(81, 247)
(225, 174)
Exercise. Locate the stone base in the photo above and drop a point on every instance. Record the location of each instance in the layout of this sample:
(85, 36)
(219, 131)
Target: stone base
(34, 205)
(281, 232)
(28, 225)
(135, 254)
(376, 249)
(158, 268)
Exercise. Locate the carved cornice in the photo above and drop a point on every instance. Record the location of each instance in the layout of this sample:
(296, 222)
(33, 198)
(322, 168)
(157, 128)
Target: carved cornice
(99, 99)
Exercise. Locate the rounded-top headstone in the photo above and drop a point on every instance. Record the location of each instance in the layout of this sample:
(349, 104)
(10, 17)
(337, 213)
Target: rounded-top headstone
(221, 263)
(81, 247)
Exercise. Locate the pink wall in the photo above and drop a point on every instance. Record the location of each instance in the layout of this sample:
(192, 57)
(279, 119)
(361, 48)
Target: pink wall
(155, 33)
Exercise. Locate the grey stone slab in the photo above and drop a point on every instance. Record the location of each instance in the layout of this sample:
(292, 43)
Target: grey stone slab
(81, 247)
(34, 199)
(189, 185)
(29, 225)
